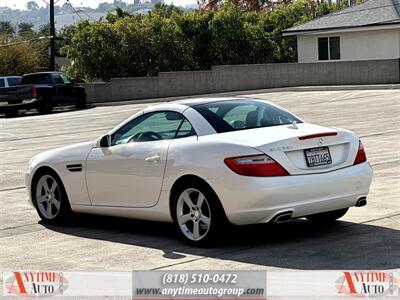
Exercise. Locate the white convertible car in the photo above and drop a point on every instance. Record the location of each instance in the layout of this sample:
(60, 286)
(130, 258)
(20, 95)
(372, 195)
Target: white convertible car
(205, 163)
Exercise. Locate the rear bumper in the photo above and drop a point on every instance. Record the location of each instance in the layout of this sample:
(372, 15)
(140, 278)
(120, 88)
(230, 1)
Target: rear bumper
(25, 104)
(249, 200)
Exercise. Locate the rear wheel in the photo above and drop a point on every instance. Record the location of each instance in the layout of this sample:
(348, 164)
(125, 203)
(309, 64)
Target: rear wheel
(198, 214)
(81, 101)
(11, 113)
(45, 106)
(327, 217)
(50, 198)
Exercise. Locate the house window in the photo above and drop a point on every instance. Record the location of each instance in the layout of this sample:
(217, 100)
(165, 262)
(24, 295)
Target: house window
(329, 48)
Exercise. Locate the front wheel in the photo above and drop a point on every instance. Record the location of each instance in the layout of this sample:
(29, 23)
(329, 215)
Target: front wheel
(50, 199)
(327, 217)
(198, 214)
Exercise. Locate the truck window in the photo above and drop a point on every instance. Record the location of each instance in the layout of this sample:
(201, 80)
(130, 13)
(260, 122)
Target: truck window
(65, 78)
(37, 79)
(2, 83)
(57, 79)
(13, 81)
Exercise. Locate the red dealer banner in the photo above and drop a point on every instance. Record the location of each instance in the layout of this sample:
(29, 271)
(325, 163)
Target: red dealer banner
(248, 285)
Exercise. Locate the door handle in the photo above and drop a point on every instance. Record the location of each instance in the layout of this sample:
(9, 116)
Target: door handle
(153, 158)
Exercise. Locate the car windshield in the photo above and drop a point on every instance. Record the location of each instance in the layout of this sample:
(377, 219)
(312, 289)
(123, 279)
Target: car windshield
(231, 115)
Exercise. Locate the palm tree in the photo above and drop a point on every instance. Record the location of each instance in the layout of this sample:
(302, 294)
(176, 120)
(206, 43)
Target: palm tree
(44, 29)
(25, 28)
(6, 28)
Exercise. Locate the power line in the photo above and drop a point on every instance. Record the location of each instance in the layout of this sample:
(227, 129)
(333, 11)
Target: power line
(48, 4)
(25, 42)
(82, 11)
(19, 32)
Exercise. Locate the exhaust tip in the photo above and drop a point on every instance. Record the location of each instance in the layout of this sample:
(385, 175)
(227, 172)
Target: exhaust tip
(361, 202)
(282, 217)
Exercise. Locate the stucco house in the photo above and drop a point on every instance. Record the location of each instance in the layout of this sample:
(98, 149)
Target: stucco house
(367, 31)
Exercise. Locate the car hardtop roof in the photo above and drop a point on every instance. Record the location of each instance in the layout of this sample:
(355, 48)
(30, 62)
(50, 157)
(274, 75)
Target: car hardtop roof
(195, 101)
(11, 76)
(46, 72)
(183, 104)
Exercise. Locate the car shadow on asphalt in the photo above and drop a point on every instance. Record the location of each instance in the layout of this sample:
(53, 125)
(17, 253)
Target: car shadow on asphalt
(298, 244)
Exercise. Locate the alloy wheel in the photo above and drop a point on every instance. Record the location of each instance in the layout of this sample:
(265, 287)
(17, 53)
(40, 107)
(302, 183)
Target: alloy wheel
(193, 214)
(48, 197)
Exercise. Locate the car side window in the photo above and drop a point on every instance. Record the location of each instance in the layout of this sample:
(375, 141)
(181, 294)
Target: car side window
(14, 81)
(2, 83)
(185, 130)
(149, 127)
(57, 79)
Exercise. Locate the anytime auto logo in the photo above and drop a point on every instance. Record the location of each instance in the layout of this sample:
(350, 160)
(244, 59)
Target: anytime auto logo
(368, 284)
(35, 284)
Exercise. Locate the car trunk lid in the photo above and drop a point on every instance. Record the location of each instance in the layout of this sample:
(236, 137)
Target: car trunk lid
(301, 149)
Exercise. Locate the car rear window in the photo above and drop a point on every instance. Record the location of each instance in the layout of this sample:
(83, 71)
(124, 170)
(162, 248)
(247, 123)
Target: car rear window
(231, 115)
(37, 79)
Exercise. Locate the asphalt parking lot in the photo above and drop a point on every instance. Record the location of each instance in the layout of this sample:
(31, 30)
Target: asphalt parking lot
(366, 238)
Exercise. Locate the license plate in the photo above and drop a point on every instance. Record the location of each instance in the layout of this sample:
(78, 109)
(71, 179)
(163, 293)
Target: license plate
(318, 156)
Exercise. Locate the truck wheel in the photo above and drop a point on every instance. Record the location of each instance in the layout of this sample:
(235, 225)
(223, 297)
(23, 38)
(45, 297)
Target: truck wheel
(45, 106)
(81, 101)
(11, 113)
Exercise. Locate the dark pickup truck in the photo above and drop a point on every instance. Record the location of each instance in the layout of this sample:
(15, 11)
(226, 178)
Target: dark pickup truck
(41, 91)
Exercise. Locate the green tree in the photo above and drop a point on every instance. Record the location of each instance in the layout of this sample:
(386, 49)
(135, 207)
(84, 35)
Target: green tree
(195, 27)
(32, 6)
(172, 51)
(238, 38)
(18, 59)
(25, 28)
(169, 39)
(6, 28)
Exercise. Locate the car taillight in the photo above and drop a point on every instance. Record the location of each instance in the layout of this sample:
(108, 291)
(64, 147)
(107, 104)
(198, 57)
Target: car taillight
(33, 92)
(255, 165)
(361, 156)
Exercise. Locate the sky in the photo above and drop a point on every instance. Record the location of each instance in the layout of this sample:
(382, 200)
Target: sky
(21, 4)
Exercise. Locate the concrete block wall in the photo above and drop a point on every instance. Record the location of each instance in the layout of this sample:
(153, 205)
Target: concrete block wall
(246, 77)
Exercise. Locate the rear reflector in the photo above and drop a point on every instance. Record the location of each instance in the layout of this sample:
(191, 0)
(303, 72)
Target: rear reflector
(255, 165)
(361, 155)
(317, 135)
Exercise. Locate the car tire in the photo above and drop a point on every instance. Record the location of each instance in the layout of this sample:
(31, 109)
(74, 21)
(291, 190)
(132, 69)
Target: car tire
(327, 217)
(81, 102)
(50, 198)
(198, 224)
(11, 113)
(45, 106)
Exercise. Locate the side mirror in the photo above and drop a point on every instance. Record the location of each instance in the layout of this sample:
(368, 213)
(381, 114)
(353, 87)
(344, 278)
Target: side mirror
(104, 141)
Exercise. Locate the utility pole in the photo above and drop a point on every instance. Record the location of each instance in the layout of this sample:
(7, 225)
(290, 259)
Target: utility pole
(52, 37)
